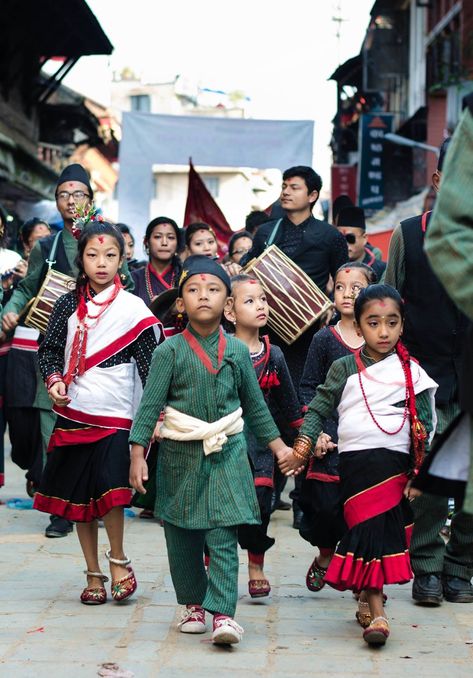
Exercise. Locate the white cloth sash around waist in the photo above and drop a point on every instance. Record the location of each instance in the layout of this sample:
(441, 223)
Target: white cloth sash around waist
(214, 434)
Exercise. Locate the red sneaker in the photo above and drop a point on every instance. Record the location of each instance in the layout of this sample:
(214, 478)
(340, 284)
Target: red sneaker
(226, 631)
(193, 620)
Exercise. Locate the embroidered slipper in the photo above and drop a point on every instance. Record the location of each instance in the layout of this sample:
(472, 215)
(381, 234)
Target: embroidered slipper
(363, 614)
(314, 579)
(377, 632)
(259, 588)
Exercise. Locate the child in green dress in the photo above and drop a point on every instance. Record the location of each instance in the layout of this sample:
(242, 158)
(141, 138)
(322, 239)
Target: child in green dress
(205, 382)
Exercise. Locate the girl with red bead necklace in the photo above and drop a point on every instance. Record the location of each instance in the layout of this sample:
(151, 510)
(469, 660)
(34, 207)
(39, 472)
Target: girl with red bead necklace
(163, 270)
(249, 314)
(98, 336)
(386, 413)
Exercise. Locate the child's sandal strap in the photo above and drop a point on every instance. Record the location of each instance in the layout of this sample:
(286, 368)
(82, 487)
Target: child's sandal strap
(99, 575)
(117, 561)
(373, 621)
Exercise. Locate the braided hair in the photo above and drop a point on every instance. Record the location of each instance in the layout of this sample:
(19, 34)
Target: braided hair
(418, 432)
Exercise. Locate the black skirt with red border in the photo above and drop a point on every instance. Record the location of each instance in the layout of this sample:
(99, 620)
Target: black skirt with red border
(82, 482)
(375, 549)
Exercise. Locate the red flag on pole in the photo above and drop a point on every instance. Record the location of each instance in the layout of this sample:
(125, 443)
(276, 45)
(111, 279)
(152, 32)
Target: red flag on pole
(201, 206)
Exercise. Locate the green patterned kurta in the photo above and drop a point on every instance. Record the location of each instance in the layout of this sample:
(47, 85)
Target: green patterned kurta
(194, 491)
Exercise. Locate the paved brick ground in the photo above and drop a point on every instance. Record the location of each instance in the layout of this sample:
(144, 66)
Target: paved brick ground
(45, 632)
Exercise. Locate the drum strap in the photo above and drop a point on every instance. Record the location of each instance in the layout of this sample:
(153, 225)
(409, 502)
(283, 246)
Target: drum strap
(274, 233)
(51, 260)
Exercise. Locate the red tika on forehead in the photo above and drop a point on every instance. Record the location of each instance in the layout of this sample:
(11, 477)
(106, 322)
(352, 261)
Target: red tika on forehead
(382, 302)
(101, 239)
(347, 270)
(203, 276)
(252, 281)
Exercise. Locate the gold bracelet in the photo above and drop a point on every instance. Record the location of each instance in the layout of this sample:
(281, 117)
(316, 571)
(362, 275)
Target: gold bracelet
(302, 447)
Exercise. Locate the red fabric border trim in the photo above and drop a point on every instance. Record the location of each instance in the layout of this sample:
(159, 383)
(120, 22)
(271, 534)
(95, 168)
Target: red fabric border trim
(202, 354)
(121, 343)
(160, 276)
(264, 482)
(323, 477)
(256, 558)
(63, 437)
(374, 500)
(93, 419)
(348, 572)
(340, 340)
(25, 344)
(5, 347)
(170, 332)
(424, 220)
(2, 479)
(83, 513)
(297, 423)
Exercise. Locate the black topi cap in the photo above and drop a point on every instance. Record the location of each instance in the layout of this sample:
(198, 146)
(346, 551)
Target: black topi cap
(75, 172)
(352, 217)
(196, 264)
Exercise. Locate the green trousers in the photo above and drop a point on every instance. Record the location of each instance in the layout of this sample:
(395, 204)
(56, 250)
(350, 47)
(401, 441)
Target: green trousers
(217, 592)
(428, 551)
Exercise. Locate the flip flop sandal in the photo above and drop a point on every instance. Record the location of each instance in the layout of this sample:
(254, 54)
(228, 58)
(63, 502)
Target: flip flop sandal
(315, 576)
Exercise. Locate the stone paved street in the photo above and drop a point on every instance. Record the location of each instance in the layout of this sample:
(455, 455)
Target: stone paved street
(45, 631)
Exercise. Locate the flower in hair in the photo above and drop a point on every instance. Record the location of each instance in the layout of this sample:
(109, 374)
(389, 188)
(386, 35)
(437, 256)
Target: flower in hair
(83, 216)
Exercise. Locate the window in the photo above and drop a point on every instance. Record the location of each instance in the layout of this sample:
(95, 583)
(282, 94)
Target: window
(213, 185)
(141, 103)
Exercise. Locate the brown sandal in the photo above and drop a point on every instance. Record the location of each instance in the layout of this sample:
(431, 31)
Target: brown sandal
(363, 614)
(259, 588)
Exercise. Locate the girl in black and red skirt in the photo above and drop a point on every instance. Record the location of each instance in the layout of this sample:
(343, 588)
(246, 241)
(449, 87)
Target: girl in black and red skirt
(385, 406)
(97, 336)
(322, 514)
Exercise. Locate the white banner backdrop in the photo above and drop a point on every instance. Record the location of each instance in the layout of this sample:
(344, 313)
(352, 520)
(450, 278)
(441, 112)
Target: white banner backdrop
(149, 139)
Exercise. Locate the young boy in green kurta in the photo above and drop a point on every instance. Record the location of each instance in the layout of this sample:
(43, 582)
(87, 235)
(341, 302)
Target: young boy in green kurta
(205, 382)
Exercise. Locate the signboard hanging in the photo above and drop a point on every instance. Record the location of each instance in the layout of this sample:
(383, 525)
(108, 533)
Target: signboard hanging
(373, 127)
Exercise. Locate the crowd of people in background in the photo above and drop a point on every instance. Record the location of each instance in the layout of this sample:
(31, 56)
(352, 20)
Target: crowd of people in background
(173, 356)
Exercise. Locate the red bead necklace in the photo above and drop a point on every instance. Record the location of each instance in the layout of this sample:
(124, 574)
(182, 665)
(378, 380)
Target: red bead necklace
(104, 304)
(406, 405)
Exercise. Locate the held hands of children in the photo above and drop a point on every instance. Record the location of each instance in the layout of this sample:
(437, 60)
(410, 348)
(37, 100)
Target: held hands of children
(58, 394)
(289, 464)
(324, 444)
(283, 454)
(138, 468)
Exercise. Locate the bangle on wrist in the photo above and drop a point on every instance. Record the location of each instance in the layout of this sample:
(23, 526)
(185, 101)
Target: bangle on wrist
(302, 447)
(53, 379)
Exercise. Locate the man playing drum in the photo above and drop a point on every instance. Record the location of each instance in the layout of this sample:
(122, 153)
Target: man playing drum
(314, 245)
(73, 188)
